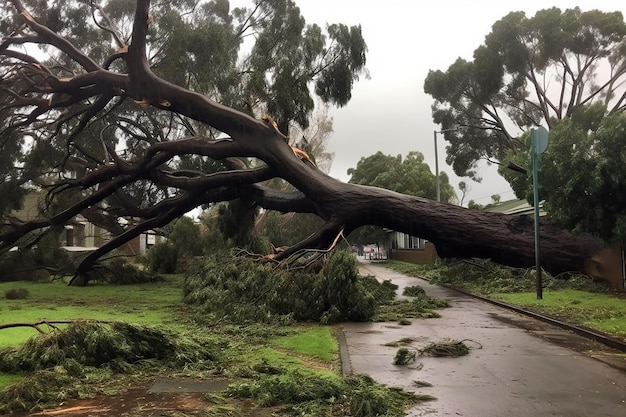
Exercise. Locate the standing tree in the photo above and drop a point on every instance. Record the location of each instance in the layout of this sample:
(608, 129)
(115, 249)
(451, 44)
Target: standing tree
(90, 100)
(529, 71)
(410, 176)
(582, 174)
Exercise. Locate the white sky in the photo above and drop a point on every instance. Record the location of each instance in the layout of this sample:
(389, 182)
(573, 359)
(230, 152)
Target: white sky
(405, 38)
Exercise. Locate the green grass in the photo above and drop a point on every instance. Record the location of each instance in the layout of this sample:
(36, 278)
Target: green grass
(9, 379)
(315, 342)
(140, 303)
(604, 312)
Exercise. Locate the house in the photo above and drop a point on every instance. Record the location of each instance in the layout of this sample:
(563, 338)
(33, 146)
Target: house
(407, 248)
(80, 235)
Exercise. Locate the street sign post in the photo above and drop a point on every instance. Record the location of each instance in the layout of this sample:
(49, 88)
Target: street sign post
(539, 144)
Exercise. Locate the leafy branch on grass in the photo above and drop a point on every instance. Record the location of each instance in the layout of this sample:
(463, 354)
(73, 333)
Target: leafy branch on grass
(50, 323)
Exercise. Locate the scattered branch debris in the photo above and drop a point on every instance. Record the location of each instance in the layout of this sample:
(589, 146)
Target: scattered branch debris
(404, 356)
(447, 347)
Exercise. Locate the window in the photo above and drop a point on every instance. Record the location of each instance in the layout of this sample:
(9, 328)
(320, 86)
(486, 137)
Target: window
(406, 241)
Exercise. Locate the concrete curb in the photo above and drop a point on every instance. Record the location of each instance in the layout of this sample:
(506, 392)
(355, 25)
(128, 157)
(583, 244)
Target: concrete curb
(344, 356)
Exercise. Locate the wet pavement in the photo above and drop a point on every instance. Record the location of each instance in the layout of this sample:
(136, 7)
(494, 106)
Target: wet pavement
(517, 367)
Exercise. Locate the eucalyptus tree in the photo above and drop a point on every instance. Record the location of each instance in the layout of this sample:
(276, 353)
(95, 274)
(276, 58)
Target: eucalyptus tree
(530, 70)
(582, 174)
(410, 175)
(200, 46)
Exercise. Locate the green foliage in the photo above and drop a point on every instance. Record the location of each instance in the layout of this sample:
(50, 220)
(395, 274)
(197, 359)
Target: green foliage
(292, 387)
(187, 237)
(581, 174)
(413, 291)
(370, 399)
(185, 242)
(122, 272)
(310, 393)
(583, 178)
(409, 176)
(289, 229)
(404, 356)
(245, 290)
(61, 361)
(446, 347)
(390, 309)
(501, 86)
(236, 221)
(418, 307)
(483, 277)
(89, 343)
(384, 292)
(162, 257)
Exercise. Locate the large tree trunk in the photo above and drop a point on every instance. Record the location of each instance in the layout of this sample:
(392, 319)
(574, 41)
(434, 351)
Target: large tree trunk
(457, 232)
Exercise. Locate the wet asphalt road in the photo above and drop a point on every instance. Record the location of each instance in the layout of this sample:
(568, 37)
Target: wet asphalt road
(523, 368)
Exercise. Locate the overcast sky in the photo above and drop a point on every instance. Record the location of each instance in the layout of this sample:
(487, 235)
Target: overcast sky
(390, 112)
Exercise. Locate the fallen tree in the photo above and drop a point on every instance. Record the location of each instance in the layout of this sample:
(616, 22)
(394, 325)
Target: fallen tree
(39, 97)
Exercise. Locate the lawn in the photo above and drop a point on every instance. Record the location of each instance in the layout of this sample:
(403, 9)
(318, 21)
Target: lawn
(604, 312)
(317, 342)
(139, 303)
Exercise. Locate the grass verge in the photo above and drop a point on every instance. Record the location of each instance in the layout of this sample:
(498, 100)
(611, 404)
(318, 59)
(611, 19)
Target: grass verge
(576, 300)
(604, 312)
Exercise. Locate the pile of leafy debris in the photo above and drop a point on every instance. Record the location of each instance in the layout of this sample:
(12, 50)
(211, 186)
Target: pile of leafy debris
(68, 363)
(243, 290)
(485, 277)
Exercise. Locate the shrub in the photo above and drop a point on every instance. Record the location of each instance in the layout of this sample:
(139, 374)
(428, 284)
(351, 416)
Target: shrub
(16, 293)
(162, 258)
(121, 272)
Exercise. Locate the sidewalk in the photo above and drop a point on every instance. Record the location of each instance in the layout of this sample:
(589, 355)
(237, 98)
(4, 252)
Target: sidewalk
(517, 373)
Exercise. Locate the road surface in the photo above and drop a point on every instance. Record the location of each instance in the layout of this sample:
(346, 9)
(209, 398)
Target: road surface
(525, 368)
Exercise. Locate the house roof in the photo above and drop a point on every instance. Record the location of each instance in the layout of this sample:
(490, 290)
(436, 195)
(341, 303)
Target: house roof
(516, 207)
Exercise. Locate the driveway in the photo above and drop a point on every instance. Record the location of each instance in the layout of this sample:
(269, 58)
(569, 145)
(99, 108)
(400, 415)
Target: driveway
(519, 366)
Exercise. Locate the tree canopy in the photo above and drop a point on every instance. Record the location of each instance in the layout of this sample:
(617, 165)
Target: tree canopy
(529, 71)
(410, 175)
(581, 174)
